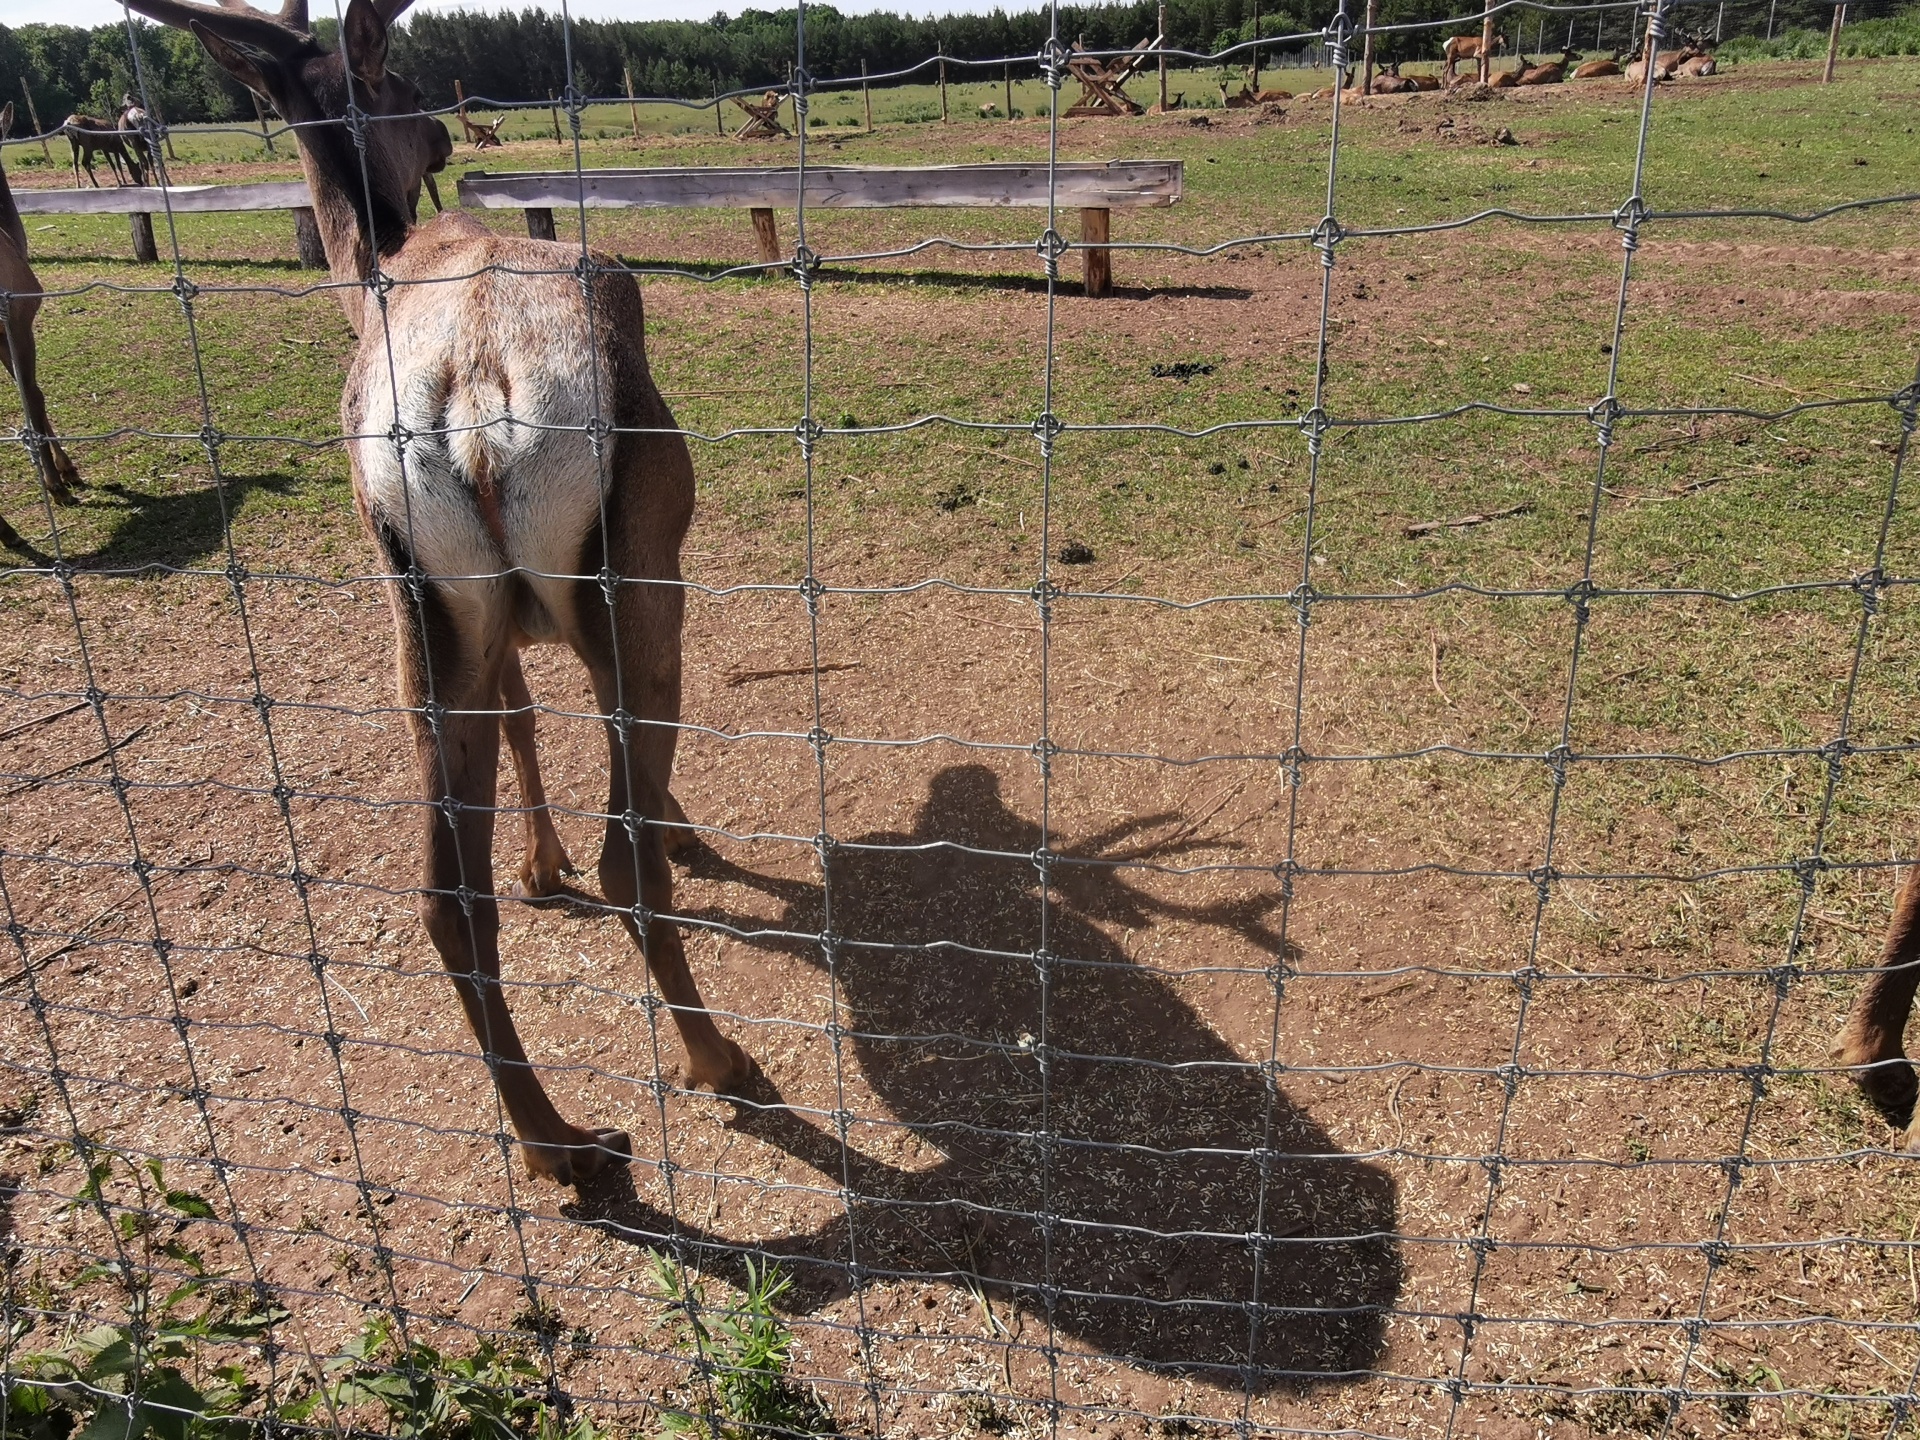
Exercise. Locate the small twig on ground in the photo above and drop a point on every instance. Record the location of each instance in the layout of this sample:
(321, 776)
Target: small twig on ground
(1438, 688)
(747, 677)
(48, 718)
(1839, 924)
(40, 780)
(1427, 527)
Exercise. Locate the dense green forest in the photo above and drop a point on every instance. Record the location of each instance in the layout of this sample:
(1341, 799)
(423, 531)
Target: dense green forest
(523, 56)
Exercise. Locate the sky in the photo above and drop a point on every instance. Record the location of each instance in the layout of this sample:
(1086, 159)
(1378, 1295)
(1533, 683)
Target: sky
(101, 12)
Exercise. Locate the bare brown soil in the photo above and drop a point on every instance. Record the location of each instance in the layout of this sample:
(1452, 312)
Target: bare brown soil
(1495, 1128)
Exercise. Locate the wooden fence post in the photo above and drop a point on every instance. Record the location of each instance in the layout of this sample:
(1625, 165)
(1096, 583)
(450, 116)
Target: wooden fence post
(553, 110)
(1833, 43)
(719, 128)
(943, 82)
(1163, 57)
(1256, 47)
(34, 115)
(1486, 43)
(866, 96)
(633, 110)
(1006, 78)
(1366, 55)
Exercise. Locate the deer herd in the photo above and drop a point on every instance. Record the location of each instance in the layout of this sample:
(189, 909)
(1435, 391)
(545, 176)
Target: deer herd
(524, 483)
(1692, 60)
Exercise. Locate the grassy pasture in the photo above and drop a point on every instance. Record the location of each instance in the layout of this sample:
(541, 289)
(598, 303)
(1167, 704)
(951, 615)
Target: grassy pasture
(1654, 993)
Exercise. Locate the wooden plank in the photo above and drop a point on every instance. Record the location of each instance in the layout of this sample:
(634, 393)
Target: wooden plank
(152, 200)
(1119, 184)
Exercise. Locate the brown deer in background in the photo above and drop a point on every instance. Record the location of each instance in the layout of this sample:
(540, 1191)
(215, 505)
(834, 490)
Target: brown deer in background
(1467, 47)
(1551, 73)
(88, 137)
(488, 469)
(23, 292)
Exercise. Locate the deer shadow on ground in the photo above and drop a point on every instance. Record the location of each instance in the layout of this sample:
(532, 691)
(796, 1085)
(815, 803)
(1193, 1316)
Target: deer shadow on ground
(1182, 1185)
(176, 530)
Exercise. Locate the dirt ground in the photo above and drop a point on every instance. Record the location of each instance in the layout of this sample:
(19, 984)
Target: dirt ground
(1337, 1119)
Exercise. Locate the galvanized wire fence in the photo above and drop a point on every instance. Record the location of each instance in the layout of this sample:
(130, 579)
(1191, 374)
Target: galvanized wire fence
(1013, 1265)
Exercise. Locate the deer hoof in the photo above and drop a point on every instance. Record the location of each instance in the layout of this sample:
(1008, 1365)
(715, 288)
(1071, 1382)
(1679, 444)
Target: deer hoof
(540, 879)
(570, 1164)
(1886, 1080)
(726, 1074)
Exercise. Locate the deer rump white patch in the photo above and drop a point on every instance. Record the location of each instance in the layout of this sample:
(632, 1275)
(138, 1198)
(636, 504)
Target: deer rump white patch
(498, 472)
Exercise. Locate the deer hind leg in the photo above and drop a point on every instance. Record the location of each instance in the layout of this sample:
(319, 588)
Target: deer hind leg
(635, 666)
(459, 760)
(17, 351)
(1872, 1038)
(546, 859)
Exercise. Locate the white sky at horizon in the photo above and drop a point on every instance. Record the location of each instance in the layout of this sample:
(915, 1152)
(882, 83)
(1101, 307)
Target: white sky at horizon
(89, 13)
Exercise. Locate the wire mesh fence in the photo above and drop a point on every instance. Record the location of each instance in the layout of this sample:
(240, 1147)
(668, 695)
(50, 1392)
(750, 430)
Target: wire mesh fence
(1001, 1163)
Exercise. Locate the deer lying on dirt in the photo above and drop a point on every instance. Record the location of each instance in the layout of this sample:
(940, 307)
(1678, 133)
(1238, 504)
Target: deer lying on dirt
(1389, 81)
(17, 351)
(480, 406)
(1695, 66)
(88, 136)
(1594, 68)
(1872, 1038)
(1467, 47)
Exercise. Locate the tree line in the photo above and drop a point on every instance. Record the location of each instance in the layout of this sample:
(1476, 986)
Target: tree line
(525, 55)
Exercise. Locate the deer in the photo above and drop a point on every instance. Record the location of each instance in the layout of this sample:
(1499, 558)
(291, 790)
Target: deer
(1551, 73)
(521, 476)
(1592, 69)
(1507, 79)
(23, 292)
(1695, 66)
(1390, 82)
(1871, 1042)
(87, 136)
(1467, 47)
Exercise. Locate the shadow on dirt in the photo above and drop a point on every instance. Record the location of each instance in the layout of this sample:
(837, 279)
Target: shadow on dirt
(1153, 1172)
(177, 531)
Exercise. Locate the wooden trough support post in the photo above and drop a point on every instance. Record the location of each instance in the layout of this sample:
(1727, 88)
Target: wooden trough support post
(306, 239)
(766, 237)
(1833, 43)
(144, 250)
(540, 223)
(1095, 227)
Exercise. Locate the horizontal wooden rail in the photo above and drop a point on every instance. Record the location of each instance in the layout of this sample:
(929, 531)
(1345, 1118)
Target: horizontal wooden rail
(1093, 187)
(153, 200)
(1074, 184)
(140, 203)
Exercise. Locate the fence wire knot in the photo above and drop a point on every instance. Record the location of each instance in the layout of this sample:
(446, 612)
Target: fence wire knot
(806, 265)
(1327, 235)
(1907, 401)
(1052, 60)
(1050, 247)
